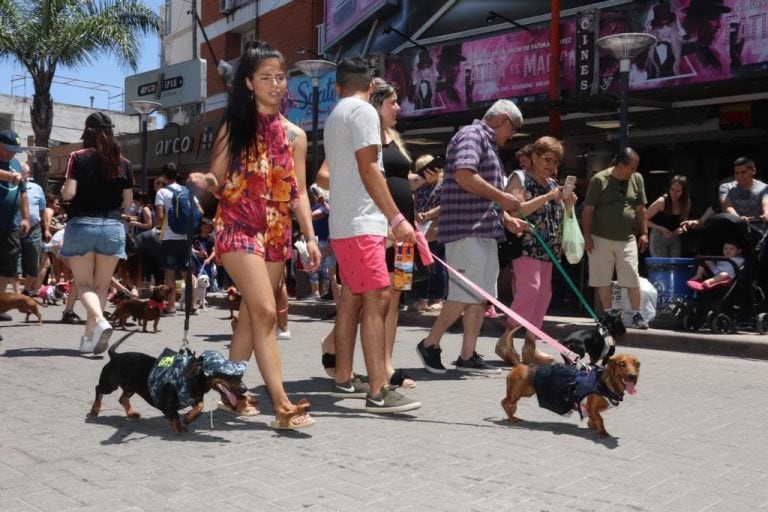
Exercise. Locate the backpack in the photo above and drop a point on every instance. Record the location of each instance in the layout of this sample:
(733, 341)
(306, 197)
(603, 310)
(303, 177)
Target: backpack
(182, 203)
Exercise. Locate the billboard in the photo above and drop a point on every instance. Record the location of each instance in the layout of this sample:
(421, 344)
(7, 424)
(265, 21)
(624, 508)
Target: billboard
(298, 104)
(175, 85)
(341, 16)
(698, 41)
(458, 76)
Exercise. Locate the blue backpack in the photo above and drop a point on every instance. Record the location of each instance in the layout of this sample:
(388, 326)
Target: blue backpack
(182, 205)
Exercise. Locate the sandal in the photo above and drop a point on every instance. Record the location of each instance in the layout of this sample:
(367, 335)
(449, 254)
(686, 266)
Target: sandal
(329, 360)
(401, 379)
(246, 407)
(294, 420)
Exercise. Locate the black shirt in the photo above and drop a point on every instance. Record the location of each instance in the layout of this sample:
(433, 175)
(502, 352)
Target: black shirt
(96, 195)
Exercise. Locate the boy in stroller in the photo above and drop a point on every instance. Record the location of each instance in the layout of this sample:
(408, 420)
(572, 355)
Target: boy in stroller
(732, 298)
(722, 272)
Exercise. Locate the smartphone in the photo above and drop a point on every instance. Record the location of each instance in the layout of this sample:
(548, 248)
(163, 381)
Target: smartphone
(570, 184)
(436, 163)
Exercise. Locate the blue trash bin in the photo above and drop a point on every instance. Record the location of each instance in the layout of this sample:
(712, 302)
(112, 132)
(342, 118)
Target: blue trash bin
(669, 277)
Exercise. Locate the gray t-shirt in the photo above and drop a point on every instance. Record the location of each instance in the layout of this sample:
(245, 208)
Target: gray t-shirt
(352, 125)
(748, 203)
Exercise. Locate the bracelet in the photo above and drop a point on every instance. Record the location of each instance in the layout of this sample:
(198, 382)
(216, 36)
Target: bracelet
(396, 220)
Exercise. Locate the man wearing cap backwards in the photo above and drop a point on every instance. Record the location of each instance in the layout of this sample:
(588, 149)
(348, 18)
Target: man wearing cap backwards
(13, 199)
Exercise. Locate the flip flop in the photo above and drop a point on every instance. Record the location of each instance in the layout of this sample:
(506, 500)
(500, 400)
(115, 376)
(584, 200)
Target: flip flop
(288, 421)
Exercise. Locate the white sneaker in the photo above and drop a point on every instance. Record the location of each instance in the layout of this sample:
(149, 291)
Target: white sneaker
(86, 345)
(101, 334)
(283, 335)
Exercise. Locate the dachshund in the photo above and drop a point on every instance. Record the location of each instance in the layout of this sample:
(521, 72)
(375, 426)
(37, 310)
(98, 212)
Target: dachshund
(51, 294)
(171, 382)
(562, 388)
(142, 311)
(592, 342)
(21, 302)
(233, 298)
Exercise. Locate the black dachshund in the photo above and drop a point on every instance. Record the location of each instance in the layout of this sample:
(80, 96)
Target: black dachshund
(170, 382)
(593, 342)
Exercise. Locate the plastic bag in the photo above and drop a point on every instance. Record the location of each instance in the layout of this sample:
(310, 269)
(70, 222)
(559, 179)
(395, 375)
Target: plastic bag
(573, 240)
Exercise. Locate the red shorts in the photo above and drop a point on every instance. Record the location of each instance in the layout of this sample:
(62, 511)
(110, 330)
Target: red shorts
(362, 264)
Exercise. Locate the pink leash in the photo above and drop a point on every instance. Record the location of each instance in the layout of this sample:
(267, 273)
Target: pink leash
(427, 258)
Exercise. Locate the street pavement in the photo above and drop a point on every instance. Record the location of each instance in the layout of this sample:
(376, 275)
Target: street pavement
(692, 439)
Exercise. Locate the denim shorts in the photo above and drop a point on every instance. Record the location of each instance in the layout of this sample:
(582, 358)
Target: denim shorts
(94, 234)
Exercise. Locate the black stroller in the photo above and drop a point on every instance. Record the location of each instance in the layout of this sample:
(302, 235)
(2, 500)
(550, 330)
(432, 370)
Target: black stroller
(741, 304)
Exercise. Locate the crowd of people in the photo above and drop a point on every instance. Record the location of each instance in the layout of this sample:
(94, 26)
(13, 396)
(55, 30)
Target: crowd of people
(369, 196)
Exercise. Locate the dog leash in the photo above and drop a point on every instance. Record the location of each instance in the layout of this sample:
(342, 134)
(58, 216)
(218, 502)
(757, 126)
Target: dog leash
(556, 261)
(573, 357)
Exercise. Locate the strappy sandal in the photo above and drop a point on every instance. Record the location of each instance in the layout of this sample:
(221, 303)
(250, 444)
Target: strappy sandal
(401, 379)
(290, 420)
(246, 407)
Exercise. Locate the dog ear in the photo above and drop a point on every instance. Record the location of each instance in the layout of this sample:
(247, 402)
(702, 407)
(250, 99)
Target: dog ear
(194, 368)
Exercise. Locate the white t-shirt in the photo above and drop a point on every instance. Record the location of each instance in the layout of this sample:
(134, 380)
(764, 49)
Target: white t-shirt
(164, 198)
(352, 125)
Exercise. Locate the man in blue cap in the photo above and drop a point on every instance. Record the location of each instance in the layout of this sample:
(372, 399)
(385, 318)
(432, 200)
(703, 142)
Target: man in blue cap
(13, 199)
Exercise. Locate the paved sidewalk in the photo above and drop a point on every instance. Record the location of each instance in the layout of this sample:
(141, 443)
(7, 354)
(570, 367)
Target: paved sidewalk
(677, 445)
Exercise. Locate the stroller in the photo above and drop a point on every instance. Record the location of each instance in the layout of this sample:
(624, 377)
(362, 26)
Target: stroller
(740, 304)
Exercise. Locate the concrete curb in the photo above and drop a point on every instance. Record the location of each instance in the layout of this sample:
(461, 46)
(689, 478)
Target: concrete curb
(742, 345)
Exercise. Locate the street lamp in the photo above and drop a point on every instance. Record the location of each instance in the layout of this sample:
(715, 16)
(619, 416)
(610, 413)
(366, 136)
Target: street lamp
(625, 47)
(144, 108)
(314, 69)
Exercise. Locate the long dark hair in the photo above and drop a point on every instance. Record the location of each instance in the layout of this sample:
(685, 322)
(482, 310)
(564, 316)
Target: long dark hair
(106, 150)
(240, 118)
(685, 198)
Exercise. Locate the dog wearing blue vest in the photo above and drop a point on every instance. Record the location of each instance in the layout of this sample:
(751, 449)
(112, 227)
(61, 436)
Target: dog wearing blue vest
(562, 388)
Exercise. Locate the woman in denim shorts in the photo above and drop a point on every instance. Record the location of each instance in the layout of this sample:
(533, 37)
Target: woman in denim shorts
(99, 184)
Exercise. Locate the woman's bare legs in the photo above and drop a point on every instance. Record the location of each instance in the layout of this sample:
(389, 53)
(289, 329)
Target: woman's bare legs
(93, 273)
(257, 281)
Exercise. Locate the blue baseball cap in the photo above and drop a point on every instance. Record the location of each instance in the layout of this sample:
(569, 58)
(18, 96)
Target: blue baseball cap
(10, 141)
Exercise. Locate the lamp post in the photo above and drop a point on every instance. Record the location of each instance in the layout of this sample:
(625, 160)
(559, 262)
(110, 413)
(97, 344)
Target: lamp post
(314, 69)
(144, 108)
(625, 47)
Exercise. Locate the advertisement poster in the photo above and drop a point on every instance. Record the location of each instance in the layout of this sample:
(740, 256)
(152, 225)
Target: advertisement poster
(698, 41)
(298, 103)
(460, 76)
(343, 15)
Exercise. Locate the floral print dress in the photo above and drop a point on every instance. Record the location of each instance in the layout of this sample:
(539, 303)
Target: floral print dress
(254, 212)
(547, 221)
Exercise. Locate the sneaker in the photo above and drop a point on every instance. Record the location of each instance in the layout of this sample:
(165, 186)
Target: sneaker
(283, 335)
(5, 317)
(101, 334)
(70, 317)
(475, 364)
(86, 345)
(390, 401)
(430, 357)
(639, 322)
(354, 388)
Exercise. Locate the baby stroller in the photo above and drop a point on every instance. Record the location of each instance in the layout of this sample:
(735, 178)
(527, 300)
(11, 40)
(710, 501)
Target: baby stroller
(739, 304)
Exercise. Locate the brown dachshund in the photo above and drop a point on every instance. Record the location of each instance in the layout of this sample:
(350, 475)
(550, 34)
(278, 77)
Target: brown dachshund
(233, 298)
(561, 388)
(143, 311)
(21, 302)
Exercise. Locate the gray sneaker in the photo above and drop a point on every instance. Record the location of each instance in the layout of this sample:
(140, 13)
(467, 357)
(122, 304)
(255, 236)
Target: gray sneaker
(639, 322)
(354, 388)
(390, 401)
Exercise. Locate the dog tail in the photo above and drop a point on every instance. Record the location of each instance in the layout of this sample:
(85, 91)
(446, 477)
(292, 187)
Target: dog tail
(113, 348)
